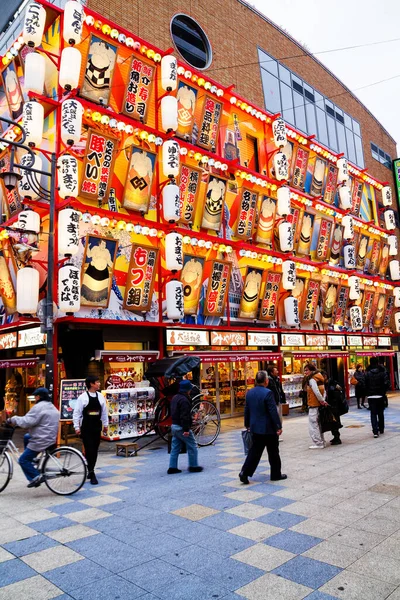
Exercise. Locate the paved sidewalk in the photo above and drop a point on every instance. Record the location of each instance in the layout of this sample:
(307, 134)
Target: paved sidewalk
(331, 530)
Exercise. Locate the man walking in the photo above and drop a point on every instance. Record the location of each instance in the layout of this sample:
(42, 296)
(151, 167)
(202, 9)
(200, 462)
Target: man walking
(377, 383)
(275, 385)
(262, 419)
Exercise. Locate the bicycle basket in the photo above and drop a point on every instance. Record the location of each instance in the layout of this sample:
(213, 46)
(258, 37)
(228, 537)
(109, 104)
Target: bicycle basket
(6, 433)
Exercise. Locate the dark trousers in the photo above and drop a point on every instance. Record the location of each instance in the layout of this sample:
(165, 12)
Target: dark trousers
(91, 443)
(271, 443)
(377, 407)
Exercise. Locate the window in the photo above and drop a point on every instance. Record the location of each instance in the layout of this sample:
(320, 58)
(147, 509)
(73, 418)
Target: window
(191, 41)
(271, 92)
(252, 153)
(381, 156)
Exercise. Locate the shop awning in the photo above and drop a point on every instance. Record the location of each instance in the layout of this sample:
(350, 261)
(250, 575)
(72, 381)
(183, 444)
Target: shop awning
(212, 357)
(319, 354)
(18, 362)
(374, 353)
(129, 356)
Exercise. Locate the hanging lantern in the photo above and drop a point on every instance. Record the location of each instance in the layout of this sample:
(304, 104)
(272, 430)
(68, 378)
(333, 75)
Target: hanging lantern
(279, 131)
(170, 158)
(283, 204)
(32, 122)
(68, 232)
(286, 236)
(173, 252)
(396, 294)
(28, 220)
(28, 185)
(71, 121)
(348, 224)
(345, 197)
(343, 171)
(390, 221)
(67, 166)
(291, 307)
(169, 113)
(387, 196)
(169, 73)
(397, 321)
(354, 284)
(394, 267)
(175, 303)
(73, 22)
(356, 318)
(34, 23)
(69, 288)
(288, 275)
(35, 70)
(70, 68)
(171, 203)
(281, 166)
(392, 241)
(27, 290)
(349, 256)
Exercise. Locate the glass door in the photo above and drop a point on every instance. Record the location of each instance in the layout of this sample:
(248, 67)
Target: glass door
(224, 388)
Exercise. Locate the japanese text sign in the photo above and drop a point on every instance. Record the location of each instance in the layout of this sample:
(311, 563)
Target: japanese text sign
(97, 168)
(209, 125)
(247, 213)
(218, 286)
(140, 279)
(138, 89)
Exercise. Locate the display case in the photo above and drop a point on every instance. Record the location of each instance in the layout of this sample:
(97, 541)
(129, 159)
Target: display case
(292, 386)
(130, 412)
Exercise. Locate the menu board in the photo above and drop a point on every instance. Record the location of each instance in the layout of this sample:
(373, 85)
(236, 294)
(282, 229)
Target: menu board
(70, 389)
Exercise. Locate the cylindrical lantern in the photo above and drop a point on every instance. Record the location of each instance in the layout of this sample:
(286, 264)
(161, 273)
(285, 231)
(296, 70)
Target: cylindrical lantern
(170, 158)
(171, 203)
(396, 294)
(34, 23)
(392, 241)
(35, 70)
(387, 196)
(173, 252)
(283, 204)
(73, 22)
(28, 220)
(279, 131)
(32, 122)
(28, 185)
(348, 225)
(390, 221)
(71, 121)
(349, 256)
(68, 232)
(169, 113)
(175, 302)
(354, 284)
(69, 288)
(394, 267)
(397, 321)
(27, 290)
(356, 320)
(345, 197)
(67, 166)
(286, 236)
(70, 68)
(343, 171)
(291, 307)
(281, 166)
(288, 274)
(169, 73)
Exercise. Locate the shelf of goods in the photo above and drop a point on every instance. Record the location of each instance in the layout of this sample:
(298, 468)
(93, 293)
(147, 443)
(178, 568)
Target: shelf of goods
(292, 387)
(130, 412)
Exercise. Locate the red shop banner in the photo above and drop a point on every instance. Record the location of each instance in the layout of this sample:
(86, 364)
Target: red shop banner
(331, 183)
(271, 297)
(98, 166)
(300, 168)
(247, 212)
(209, 125)
(218, 286)
(341, 307)
(138, 90)
(356, 197)
(140, 278)
(325, 230)
(18, 362)
(311, 301)
(189, 185)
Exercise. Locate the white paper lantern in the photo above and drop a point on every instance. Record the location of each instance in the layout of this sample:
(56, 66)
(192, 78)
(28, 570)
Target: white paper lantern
(32, 122)
(354, 284)
(387, 196)
(390, 221)
(281, 166)
(279, 132)
(28, 185)
(70, 68)
(397, 321)
(288, 275)
(171, 203)
(349, 256)
(169, 113)
(69, 288)
(170, 158)
(34, 23)
(28, 220)
(173, 252)
(356, 320)
(394, 267)
(291, 307)
(286, 236)
(345, 197)
(348, 224)
(396, 294)
(68, 232)
(67, 166)
(27, 290)
(393, 247)
(35, 71)
(343, 171)
(175, 302)
(71, 121)
(169, 73)
(283, 203)
(73, 22)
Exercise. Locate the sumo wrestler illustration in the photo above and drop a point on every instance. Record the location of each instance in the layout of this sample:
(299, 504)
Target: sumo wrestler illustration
(336, 245)
(305, 235)
(13, 91)
(99, 71)
(266, 221)
(251, 292)
(329, 304)
(362, 252)
(139, 180)
(186, 98)
(215, 197)
(191, 278)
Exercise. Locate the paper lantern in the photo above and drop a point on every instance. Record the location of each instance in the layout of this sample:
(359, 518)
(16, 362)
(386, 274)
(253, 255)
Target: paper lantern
(279, 132)
(286, 236)
(394, 267)
(28, 185)
(28, 220)
(171, 203)
(67, 166)
(169, 113)
(354, 284)
(32, 122)
(390, 221)
(73, 22)
(34, 23)
(71, 121)
(175, 302)
(291, 307)
(283, 204)
(35, 71)
(396, 294)
(173, 252)
(387, 196)
(68, 232)
(393, 247)
(288, 275)
(349, 256)
(281, 166)
(170, 158)
(343, 171)
(69, 288)
(70, 68)
(345, 197)
(169, 73)
(348, 225)
(356, 320)
(27, 290)
(397, 321)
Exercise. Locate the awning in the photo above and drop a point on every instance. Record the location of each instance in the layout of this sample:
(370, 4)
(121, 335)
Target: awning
(245, 356)
(18, 362)
(374, 353)
(129, 356)
(319, 354)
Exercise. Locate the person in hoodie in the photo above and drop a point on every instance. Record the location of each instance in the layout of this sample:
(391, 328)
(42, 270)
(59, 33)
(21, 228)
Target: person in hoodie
(316, 397)
(42, 422)
(377, 383)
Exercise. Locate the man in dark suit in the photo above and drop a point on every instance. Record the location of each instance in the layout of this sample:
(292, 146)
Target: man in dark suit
(262, 419)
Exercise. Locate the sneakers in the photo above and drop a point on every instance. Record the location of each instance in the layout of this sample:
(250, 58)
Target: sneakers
(195, 469)
(172, 471)
(315, 447)
(243, 478)
(36, 482)
(283, 476)
(376, 435)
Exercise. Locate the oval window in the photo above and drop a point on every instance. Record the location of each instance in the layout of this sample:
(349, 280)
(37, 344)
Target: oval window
(191, 41)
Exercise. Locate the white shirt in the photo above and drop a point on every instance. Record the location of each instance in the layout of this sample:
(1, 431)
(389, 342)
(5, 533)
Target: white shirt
(314, 386)
(82, 402)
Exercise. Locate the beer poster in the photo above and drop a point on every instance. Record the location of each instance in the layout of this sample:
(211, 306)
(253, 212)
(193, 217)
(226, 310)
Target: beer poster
(367, 307)
(356, 197)
(191, 279)
(331, 183)
(140, 278)
(189, 186)
(98, 166)
(187, 98)
(217, 291)
(251, 293)
(325, 230)
(311, 301)
(214, 203)
(341, 307)
(209, 124)
(300, 168)
(271, 297)
(139, 180)
(388, 312)
(99, 71)
(138, 89)
(247, 213)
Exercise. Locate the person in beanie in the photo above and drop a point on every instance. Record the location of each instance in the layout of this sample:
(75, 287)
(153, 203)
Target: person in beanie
(42, 422)
(377, 383)
(182, 433)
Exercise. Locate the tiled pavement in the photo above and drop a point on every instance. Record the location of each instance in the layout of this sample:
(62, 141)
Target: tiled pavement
(331, 530)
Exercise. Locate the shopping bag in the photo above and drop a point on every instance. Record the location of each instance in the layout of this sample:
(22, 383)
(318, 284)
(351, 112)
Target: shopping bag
(247, 441)
(326, 418)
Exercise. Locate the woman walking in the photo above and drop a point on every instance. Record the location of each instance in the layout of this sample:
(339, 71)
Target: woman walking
(316, 397)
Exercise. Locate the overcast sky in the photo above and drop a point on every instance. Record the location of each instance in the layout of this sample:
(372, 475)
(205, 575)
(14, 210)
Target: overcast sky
(342, 23)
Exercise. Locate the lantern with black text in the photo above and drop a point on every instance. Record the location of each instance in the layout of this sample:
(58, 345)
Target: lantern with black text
(288, 274)
(343, 171)
(34, 23)
(354, 284)
(27, 290)
(169, 113)
(70, 68)
(396, 294)
(279, 132)
(356, 319)
(69, 288)
(35, 70)
(28, 220)
(387, 196)
(169, 73)
(73, 22)
(171, 202)
(175, 301)
(345, 197)
(71, 121)
(393, 247)
(291, 307)
(286, 236)
(67, 166)
(68, 232)
(349, 256)
(348, 227)
(397, 321)
(173, 252)
(281, 166)
(390, 221)
(394, 267)
(283, 204)
(32, 122)
(170, 158)
(28, 185)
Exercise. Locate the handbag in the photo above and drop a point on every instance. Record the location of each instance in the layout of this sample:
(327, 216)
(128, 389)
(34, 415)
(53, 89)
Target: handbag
(326, 419)
(353, 380)
(247, 440)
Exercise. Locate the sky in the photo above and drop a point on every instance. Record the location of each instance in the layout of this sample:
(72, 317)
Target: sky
(324, 26)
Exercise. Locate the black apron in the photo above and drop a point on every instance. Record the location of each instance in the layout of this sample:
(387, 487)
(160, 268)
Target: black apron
(91, 417)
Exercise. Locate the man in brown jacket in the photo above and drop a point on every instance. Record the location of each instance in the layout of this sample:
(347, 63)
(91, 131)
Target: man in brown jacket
(316, 397)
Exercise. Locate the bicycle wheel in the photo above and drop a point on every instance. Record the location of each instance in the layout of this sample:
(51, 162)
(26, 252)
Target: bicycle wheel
(206, 422)
(162, 418)
(5, 470)
(64, 470)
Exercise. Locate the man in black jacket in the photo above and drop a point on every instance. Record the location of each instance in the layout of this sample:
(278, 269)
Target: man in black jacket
(181, 408)
(262, 419)
(275, 385)
(377, 383)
